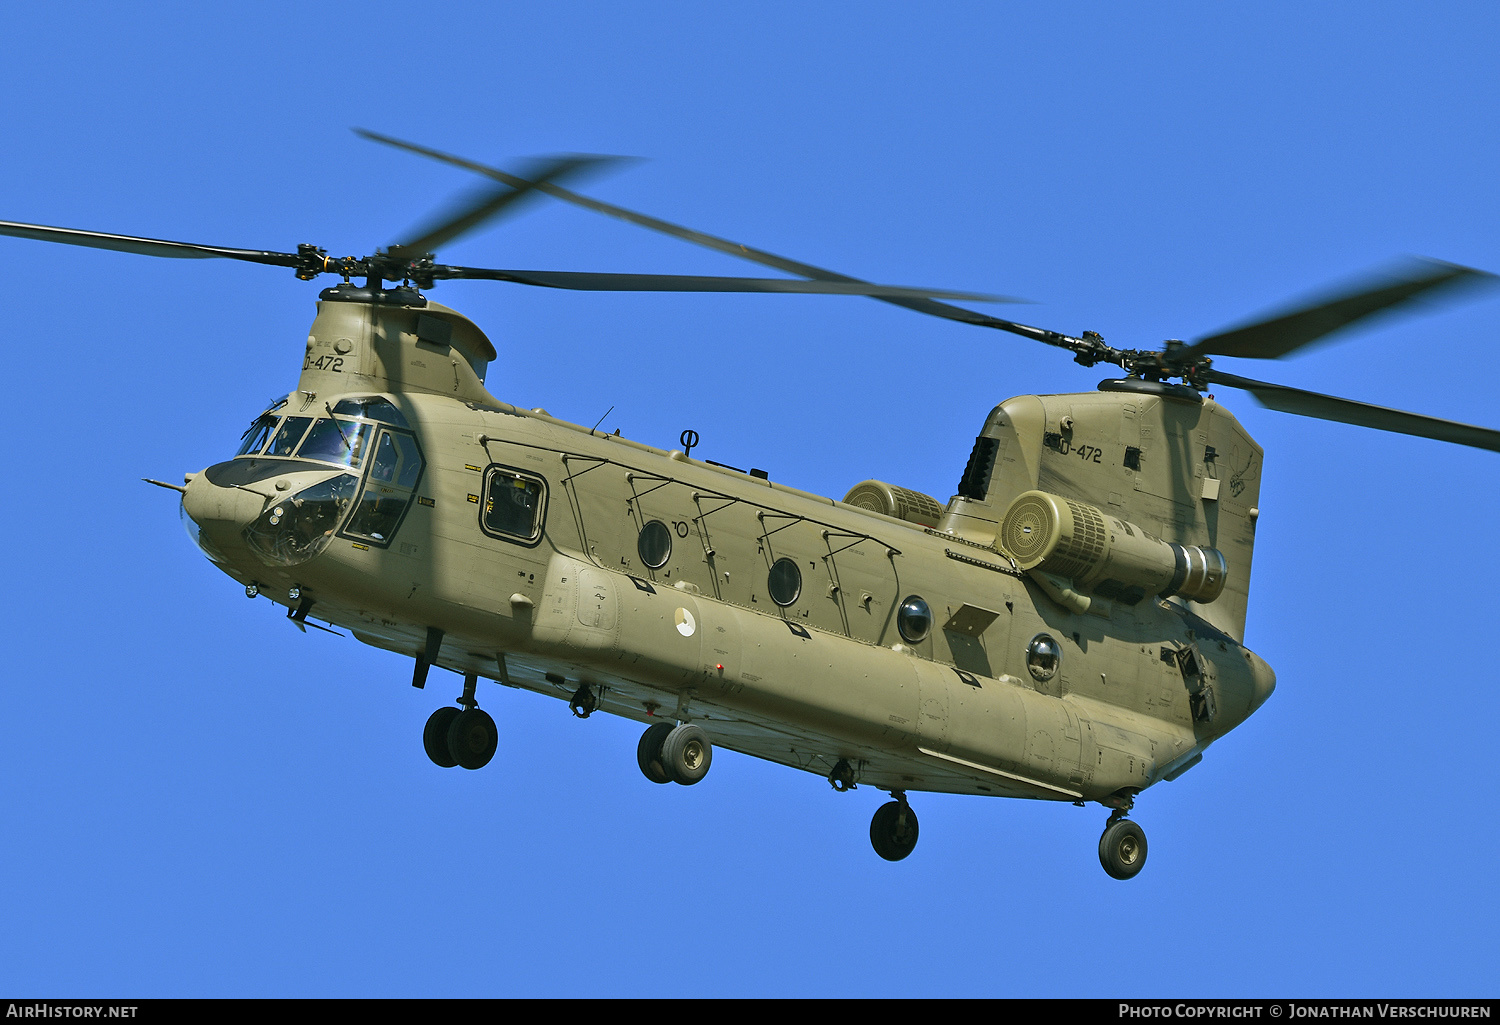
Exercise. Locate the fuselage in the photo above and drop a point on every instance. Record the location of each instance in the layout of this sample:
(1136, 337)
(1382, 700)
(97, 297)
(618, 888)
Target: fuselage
(393, 496)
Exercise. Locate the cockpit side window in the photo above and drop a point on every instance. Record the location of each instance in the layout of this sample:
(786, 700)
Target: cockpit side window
(397, 460)
(394, 471)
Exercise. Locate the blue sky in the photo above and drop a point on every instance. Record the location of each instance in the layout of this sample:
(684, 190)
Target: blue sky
(199, 800)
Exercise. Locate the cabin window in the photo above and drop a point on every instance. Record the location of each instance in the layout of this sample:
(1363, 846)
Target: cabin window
(784, 582)
(655, 544)
(914, 619)
(1042, 658)
(514, 505)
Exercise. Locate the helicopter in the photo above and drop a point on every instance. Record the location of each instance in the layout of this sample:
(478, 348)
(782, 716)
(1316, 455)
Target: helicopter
(1069, 626)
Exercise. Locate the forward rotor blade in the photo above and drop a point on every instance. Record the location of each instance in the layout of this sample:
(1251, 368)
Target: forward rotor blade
(744, 252)
(491, 203)
(1361, 414)
(145, 246)
(605, 282)
(1269, 339)
(610, 210)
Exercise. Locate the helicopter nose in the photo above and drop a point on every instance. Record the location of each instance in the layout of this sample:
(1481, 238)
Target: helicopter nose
(1262, 681)
(216, 516)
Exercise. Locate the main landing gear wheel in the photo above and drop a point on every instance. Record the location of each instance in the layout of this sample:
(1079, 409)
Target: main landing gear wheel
(648, 752)
(472, 738)
(1122, 848)
(686, 754)
(893, 830)
(674, 754)
(435, 737)
(463, 736)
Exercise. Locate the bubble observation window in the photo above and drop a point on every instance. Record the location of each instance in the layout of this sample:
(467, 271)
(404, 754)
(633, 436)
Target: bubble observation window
(784, 582)
(914, 619)
(655, 544)
(1043, 657)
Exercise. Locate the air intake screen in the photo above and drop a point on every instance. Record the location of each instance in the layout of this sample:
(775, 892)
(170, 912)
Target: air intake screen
(975, 483)
(1028, 529)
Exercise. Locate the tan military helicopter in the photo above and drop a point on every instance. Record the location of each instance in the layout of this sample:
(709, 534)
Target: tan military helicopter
(1068, 627)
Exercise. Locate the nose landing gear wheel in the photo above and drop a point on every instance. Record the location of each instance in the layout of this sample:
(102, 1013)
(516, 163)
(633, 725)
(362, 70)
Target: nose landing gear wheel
(435, 737)
(893, 830)
(648, 752)
(472, 738)
(1122, 848)
(686, 754)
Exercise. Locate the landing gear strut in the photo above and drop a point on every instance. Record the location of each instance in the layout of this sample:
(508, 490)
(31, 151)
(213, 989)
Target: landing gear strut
(893, 830)
(1122, 848)
(674, 754)
(464, 736)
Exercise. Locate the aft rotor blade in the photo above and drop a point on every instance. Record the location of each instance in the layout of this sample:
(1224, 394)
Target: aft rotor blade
(1361, 414)
(1269, 339)
(491, 203)
(145, 246)
(744, 252)
(606, 282)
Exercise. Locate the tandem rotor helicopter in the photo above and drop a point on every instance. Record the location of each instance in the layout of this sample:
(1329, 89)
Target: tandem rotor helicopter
(1069, 626)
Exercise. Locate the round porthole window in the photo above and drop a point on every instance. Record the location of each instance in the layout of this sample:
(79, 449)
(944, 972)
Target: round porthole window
(914, 619)
(655, 544)
(1043, 657)
(784, 582)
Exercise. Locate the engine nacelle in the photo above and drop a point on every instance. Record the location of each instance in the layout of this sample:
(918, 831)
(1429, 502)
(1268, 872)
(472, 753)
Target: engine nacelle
(1105, 555)
(902, 503)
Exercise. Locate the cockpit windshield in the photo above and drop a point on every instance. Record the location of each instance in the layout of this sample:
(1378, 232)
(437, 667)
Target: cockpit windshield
(362, 433)
(256, 434)
(292, 429)
(326, 439)
(336, 441)
(371, 407)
